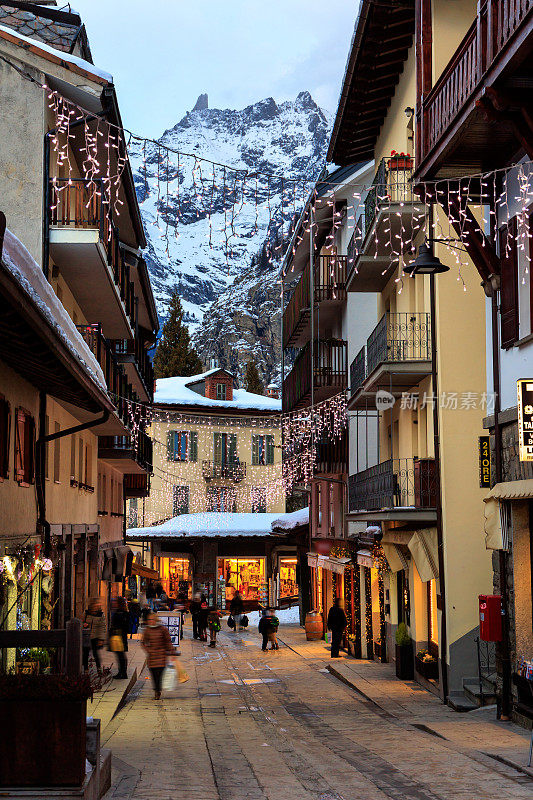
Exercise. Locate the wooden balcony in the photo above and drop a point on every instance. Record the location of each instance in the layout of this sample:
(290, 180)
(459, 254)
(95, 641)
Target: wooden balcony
(332, 456)
(392, 214)
(130, 454)
(472, 115)
(216, 470)
(396, 358)
(84, 243)
(329, 290)
(136, 484)
(137, 365)
(329, 374)
(396, 489)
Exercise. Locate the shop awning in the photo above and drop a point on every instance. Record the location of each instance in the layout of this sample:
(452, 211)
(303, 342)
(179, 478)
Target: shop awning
(124, 561)
(424, 549)
(395, 558)
(365, 558)
(144, 572)
(495, 513)
(331, 563)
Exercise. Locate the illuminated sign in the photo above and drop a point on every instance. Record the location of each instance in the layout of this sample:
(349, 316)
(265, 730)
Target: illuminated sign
(484, 462)
(525, 418)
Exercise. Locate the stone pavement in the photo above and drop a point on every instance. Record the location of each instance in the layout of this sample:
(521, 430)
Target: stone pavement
(275, 725)
(106, 701)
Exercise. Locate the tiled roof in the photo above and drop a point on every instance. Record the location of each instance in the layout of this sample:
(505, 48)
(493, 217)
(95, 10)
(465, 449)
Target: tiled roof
(59, 30)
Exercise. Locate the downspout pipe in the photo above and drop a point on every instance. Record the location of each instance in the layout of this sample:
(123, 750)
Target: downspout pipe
(42, 524)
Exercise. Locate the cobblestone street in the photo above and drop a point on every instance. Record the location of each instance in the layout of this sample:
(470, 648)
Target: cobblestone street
(265, 726)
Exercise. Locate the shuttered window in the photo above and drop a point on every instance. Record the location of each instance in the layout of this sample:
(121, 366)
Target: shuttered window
(225, 448)
(180, 500)
(5, 437)
(222, 499)
(24, 447)
(182, 446)
(509, 285)
(262, 449)
(259, 503)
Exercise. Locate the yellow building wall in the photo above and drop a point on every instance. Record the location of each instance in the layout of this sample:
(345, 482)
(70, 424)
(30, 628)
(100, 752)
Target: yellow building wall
(394, 132)
(159, 505)
(451, 20)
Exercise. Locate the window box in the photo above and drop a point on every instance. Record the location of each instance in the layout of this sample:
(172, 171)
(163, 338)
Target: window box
(427, 666)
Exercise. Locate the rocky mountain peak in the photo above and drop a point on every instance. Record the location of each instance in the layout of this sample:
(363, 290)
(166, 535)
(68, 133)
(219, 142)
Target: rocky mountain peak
(202, 103)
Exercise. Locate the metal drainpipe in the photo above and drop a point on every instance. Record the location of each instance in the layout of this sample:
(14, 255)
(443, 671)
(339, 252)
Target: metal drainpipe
(505, 710)
(436, 447)
(42, 523)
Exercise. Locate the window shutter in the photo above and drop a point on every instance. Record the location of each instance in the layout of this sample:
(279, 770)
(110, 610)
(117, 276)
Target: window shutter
(509, 285)
(217, 448)
(30, 449)
(193, 446)
(232, 448)
(5, 431)
(255, 449)
(170, 446)
(20, 421)
(269, 450)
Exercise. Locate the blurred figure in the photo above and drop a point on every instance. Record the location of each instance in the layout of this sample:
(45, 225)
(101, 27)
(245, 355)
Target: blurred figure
(158, 645)
(336, 624)
(120, 625)
(268, 628)
(263, 627)
(194, 608)
(150, 595)
(236, 610)
(94, 623)
(202, 618)
(213, 621)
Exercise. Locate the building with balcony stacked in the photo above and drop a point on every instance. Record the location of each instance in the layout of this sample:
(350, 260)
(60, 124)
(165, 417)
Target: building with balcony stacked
(323, 327)
(421, 558)
(473, 119)
(216, 489)
(78, 317)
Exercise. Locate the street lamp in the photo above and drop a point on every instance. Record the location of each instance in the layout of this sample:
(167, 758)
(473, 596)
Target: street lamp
(425, 263)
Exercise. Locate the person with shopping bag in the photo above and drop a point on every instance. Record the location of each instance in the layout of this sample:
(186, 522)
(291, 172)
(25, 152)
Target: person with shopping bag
(118, 638)
(213, 620)
(158, 645)
(236, 610)
(94, 623)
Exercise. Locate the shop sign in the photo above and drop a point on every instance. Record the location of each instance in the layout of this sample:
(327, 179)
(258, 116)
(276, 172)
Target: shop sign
(484, 462)
(365, 560)
(525, 418)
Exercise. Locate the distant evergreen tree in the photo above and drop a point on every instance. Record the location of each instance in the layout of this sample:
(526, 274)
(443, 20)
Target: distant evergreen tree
(253, 381)
(174, 354)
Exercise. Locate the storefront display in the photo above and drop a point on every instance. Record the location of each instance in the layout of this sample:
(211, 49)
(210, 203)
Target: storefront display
(287, 578)
(176, 576)
(245, 575)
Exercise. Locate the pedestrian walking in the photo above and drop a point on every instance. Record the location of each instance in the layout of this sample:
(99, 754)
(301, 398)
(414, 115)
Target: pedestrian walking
(195, 608)
(158, 645)
(118, 639)
(213, 621)
(134, 610)
(268, 628)
(150, 595)
(94, 623)
(236, 609)
(202, 619)
(336, 624)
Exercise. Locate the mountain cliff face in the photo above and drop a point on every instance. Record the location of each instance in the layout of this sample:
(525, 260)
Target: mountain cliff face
(222, 256)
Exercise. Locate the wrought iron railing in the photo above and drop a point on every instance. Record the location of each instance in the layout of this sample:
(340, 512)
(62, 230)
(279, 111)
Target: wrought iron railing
(139, 447)
(215, 469)
(76, 204)
(399, 337)
(358, 370)
(133, 347)
(329, 284)
(403, 482)
(329, 371)
(490, 32)
(332, 455)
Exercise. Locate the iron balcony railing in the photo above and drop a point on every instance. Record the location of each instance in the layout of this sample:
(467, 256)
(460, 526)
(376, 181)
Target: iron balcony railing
(397, 338)
(215, 469)
(75, 204)
(329, 371)
(329, 284)
(496, 22)
(396, 483)
(332, 455)
(133, 347)
(138, 447)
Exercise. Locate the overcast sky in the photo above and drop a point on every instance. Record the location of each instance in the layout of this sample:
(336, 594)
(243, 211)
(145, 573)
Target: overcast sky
(164, 53)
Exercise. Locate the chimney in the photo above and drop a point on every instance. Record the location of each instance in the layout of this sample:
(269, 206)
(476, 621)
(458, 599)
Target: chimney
(213, 363)
(272, 391)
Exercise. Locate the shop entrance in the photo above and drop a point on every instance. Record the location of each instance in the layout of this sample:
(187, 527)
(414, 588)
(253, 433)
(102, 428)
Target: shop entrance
(176, 576)
(288, 588)
(244, 575)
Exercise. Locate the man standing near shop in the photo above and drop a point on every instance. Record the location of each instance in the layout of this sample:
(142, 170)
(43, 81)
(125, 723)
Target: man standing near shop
(337, 625)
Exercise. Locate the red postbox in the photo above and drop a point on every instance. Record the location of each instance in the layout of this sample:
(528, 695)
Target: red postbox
(490, 617)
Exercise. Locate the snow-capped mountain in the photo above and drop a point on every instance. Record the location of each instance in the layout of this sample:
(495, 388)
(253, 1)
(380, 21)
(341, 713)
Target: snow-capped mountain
(217, 240)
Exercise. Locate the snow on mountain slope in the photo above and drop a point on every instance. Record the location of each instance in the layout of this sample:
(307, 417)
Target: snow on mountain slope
(209, 248)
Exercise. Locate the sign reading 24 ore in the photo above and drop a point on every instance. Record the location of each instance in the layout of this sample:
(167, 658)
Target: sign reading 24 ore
(525, 418)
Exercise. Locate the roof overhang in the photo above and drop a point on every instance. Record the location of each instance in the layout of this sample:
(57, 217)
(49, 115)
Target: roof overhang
(382, 38)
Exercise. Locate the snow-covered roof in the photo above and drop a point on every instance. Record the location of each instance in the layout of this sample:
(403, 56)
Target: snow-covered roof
(209, 523)
(176, 391)
(286, 522)
(68, 58)
(31, 279)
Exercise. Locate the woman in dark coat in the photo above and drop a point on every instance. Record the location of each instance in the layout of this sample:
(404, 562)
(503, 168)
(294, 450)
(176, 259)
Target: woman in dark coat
(336, 624)
(120, 625)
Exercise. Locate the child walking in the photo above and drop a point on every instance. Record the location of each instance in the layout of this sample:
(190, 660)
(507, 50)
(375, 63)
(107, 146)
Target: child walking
(213, 621)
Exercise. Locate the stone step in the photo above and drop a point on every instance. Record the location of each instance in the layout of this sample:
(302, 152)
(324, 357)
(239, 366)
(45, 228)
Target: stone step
(459, 702)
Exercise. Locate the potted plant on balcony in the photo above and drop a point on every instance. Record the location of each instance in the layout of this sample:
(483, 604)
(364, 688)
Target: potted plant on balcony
(405, 669)
(399, 161)
(48, 713)
(427, 665)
